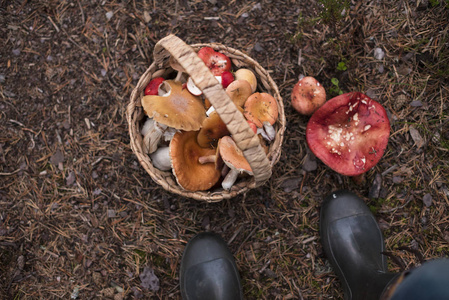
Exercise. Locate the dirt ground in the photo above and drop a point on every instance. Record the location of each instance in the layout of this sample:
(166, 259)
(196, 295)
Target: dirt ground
(81, 219)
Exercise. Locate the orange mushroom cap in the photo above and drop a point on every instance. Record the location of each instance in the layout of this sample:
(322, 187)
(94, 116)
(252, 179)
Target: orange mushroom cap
(213, 128)
(261, 107)
(178, 109)
(308, 95)
(232, 156)
(189, 172)
(239, 91)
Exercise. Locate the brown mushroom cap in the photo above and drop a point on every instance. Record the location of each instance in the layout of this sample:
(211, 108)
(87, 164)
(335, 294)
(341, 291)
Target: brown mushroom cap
(232, 156)
(213, 128)
(239, 91)
(179, 109)
(189, 172)
(261, 107)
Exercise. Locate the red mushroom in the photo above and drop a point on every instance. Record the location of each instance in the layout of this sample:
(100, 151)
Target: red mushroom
(349, 133)
(308, 95)
(217, 62)
(153, 86)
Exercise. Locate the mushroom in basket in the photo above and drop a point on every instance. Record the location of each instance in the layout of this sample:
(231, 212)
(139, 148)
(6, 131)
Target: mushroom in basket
(174, 107)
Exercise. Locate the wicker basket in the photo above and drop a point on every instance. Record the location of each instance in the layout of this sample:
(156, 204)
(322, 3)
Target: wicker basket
(242, 134)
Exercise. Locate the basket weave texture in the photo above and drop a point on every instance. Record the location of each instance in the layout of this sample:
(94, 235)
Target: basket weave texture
(260, 162)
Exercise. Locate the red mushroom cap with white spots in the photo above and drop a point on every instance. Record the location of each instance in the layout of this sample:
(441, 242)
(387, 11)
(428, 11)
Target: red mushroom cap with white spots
(349, 133)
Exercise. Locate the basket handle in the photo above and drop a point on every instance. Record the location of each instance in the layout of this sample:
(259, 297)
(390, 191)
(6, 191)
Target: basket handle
(236, 123)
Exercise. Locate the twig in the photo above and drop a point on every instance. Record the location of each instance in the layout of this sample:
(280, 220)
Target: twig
(247, 237)
(56, 27)
(11, 173)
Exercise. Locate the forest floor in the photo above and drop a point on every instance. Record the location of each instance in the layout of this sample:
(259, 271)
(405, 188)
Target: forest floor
(80, 217)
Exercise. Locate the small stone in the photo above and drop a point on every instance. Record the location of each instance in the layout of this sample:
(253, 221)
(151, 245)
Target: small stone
(371, 93)
(258, 47)
(2, 78)
(381, 69)
(111, 213)
(146, 17)
(57, 158)
(71, 178)
(290, 184)
(416, 103)
(375, 187)
(397, 179)
(379, 53)
(16, 52)
(269, 273)
(109, 15)
(427, 200)
(309, 163)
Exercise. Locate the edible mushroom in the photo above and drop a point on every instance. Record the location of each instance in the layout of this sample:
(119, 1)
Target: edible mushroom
(153, 132)
(239, 91)
(233, 157)
(261, 107)
(161, 158)
(177, 108)
(248, 75)
(153, 86)
(349, 133)
(217, 62)
(212, 130)
(185, 154)
(308, 95)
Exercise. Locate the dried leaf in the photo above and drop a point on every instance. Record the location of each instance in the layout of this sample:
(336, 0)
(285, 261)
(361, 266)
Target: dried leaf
(57, 158)
(427, 200)
(416, 136)
(71, 178)
(149, 280)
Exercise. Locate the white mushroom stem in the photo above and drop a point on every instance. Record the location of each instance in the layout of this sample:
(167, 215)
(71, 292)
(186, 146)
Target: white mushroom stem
(210, 110)
(179, 76)
(230, 179)
(152, 132)
(161, 158)
(267, 131)
(224, 171)
(207, 159)
(169, 133)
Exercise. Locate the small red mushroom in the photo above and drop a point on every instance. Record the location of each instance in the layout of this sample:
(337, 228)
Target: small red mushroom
(153, 86)
(217, 62)
(226, 78)
(308, 95)
(349, 133)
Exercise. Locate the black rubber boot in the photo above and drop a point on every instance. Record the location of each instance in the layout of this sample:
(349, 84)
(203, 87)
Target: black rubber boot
(353, 243)
(427, 282)
(208, 270)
